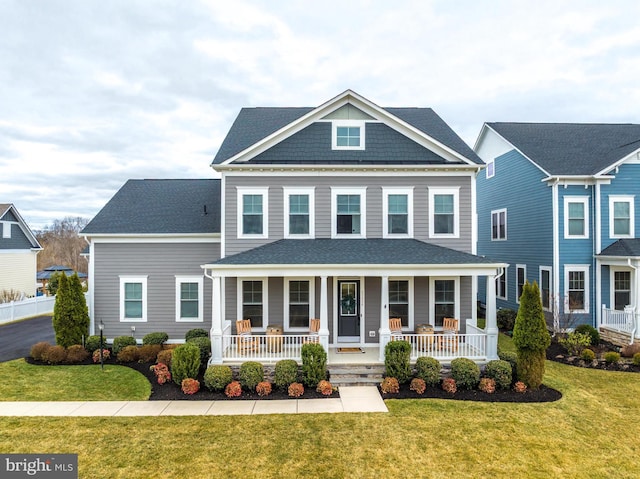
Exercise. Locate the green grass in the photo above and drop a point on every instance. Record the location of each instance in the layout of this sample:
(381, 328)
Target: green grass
(26, 382)
(588, 433)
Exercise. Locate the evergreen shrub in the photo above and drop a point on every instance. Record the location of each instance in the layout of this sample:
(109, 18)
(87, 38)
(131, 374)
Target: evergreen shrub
(314, 364)
(128, 354)
(286, 372)
(155, 338)
(185, 362)
(501, 372)
(121, 342)
(465, 372)
(397, 356)
(217, 377)
(428, 369)
(196, 333)
(204, 344)
(93, 342)
(251, 373)
(76, 354)
(593, 333)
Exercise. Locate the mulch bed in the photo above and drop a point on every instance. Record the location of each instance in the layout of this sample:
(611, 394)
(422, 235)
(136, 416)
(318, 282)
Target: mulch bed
(558, 353)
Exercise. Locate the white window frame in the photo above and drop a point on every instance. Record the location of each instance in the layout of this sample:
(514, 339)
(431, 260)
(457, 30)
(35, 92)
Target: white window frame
(524, 268)
(433, 191)
(349, 124)
(506, 285)
(386, 191)
(190, 279)
(549, 270)
(312, 305)
(6, 229)
(432, 298)
(612, 285)
(124, 279)
(261, 191)
(576, 199)
(288, 192)
(265, 302)
(360, 190)
(410, 322)
(491, 169)
(622, 199)
(585, 269)
(498, 213)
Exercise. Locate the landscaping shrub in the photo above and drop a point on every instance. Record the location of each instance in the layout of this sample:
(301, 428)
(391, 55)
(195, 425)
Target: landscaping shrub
(575, 342)
(148, 353)
(588, 355)
(70, 313)
(612, 357)
(76, 354)
(128, 354)
(314, 364)
(511, 358)
(325, 388)
(629, 350)
(164, 356)
(428, 369)
(397, 356)
(251, 373)
(155, 338)
(418, 385)
(93, 342)
(190, 386)
(162, 373)
(204, 344)
(465, 372)
(286, 372)
(506, 319)
(263, 388)
(217, 377)
(593, 333)
(390, 386)
(487, 385)
(106, 354)
(196, 333)
(449, 385)
(501, 372)
(122, 342)
(519, 387)
(55, 355)
(295, 390)
(39, 350)
(185, 362)
(233, 390)
(530, 337)
(636, 359)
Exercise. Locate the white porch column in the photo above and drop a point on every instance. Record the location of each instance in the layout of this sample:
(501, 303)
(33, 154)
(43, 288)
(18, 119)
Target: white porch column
(384, 332)
(324, 314)
(636, 299)
(491, 326)
(216, 321)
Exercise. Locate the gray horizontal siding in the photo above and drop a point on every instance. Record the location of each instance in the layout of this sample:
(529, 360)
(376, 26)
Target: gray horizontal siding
(160, 263)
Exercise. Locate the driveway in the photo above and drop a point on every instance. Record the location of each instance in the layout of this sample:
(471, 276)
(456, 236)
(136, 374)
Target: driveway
(16, 339)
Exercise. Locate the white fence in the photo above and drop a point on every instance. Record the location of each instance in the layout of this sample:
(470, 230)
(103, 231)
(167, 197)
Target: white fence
(24, 309)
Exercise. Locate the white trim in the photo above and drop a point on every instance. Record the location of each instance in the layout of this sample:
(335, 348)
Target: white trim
(631, 158)
(342, 190)
(310, 191)
(6, 229)
(335, 124)
(585, 269)
(190, 279)
(256, 191)
(585, 202)
(312, 302)
(432, 297)
(411, 299)
(124, 279)
(455, 192)
(556, 249)
(348, 339)
(397, 190)
(549, 270)
(169, 239)
(498, 212)
(630, 199)
(612, 287)
(344, 170)
(524, 268)
(265, 300)
(223, 216)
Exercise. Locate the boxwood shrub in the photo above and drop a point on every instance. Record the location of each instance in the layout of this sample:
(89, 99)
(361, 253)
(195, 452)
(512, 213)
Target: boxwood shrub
(428, 369)
(196, 333)
(285, 373)
(185, 362)
(591, 331)
(397, 356)
(217, 377)
(93, 342)
(501, 372)
(204, 344)
(120, 342)
(314, 364)
(465, 372)
(155, 338)
(251, 373)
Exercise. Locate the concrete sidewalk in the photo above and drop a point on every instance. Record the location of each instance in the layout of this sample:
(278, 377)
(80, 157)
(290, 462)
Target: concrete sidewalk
(352, 399)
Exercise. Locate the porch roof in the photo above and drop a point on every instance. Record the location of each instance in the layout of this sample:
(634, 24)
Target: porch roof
(627, 248)
(405, 252)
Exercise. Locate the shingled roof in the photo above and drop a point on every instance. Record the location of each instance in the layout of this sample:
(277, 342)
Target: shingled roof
(623, 247)
(160, 207)
(571, 148)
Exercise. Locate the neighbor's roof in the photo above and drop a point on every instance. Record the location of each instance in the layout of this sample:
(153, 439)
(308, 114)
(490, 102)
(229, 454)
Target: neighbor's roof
(5, 208)
(160, 207)
(571, 148)
(255, 124)
(352, 252)
(623, 247)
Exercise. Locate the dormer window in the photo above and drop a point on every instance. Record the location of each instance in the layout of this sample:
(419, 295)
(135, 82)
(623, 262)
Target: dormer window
(348, 135)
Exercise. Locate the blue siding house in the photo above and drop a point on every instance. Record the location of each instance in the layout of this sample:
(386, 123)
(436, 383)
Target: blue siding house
(561, 203)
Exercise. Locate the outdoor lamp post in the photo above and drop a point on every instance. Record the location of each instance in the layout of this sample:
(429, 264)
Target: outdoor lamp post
(101, 326)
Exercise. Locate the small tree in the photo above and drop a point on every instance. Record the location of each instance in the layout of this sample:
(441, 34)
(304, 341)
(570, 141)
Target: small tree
(530, 337)
(70, 313)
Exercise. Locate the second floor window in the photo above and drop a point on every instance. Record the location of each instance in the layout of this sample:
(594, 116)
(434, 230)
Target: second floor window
(444, 216)
(252, 212)
(348, 219)
(621, 214)
(499, 225)
(576, 216)
(299, 214)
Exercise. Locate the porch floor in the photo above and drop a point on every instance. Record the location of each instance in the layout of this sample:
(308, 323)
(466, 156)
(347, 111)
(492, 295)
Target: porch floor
(370, 356)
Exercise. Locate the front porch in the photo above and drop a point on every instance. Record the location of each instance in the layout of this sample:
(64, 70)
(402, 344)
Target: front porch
(620, 327)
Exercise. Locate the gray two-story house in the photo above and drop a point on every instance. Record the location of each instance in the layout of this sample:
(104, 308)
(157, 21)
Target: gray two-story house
(347, 212)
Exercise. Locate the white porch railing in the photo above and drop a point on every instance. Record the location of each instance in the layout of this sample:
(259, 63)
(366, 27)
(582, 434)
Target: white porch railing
(261, 348)
(448, 346)
(35, 306)
(623, 321)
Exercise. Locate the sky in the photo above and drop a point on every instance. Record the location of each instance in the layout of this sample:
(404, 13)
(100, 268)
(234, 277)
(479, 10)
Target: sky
(93, 93)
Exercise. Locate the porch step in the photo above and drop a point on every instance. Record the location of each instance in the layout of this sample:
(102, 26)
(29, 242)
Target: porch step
(356, 374)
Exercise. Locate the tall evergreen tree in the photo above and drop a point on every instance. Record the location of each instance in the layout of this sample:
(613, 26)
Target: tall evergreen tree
(70, 314)
(530, 337)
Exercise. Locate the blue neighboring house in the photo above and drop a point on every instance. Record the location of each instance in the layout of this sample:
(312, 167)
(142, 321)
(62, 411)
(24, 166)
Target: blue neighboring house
(561, 203)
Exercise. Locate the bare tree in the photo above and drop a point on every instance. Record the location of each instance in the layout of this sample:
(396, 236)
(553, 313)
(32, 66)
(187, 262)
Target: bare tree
(62, 245)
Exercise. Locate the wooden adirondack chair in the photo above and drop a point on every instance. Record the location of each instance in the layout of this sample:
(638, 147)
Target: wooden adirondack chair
(314, 331)
(246, 340)
(395, 326)
(449, 338)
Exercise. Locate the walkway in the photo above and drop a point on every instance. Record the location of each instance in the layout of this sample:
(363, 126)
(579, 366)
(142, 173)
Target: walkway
(352, 399)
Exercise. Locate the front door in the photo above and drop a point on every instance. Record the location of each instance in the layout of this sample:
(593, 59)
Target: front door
(349, 310)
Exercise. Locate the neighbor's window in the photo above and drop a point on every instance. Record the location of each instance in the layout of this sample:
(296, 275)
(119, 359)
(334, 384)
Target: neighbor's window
(499, 225)
(621, 289)
(545, 287)
(491, 169)
(576, 289)
(399, 300)
(501, 285)
(521, 273)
